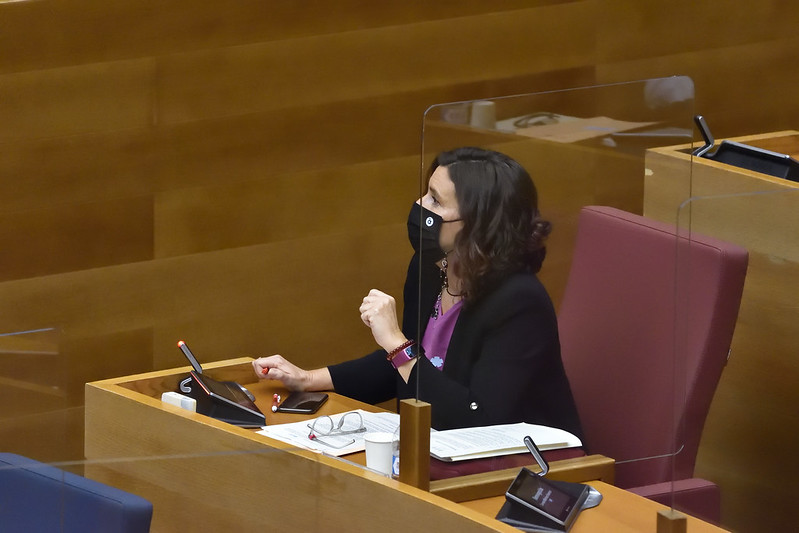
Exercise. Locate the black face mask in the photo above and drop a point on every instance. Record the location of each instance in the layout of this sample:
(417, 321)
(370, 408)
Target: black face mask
(424, 238)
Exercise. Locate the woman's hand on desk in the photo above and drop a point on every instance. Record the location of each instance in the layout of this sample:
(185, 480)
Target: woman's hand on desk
(293, 377)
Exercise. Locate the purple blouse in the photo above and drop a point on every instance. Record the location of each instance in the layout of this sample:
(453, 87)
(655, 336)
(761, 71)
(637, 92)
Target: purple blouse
(438, 333)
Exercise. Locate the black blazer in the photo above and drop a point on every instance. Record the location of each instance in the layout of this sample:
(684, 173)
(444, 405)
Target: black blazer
(503, 362)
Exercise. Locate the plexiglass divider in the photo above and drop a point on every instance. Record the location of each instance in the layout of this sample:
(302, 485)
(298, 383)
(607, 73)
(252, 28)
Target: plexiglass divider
(199, 490)
(745, 438)
(584, 147)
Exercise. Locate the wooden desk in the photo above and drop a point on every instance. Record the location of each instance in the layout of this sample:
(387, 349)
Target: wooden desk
(198, 470)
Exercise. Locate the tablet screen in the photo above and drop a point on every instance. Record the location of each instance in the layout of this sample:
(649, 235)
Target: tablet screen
(537, 493)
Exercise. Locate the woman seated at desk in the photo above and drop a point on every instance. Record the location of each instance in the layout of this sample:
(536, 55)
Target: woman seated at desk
(489, 350)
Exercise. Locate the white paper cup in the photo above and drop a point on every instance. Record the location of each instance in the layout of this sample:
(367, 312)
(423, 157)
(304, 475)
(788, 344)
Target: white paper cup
(379, 451)
(455, 113)
(484, 115)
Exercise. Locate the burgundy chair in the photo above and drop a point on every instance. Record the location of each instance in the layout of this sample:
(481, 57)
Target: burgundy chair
(646, 324)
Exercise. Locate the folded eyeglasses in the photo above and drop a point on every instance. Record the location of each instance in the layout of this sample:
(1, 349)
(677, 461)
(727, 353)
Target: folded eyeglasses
(330, 431)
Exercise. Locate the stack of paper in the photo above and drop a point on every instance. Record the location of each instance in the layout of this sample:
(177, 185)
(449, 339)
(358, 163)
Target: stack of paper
(448, 445)
(491, 441)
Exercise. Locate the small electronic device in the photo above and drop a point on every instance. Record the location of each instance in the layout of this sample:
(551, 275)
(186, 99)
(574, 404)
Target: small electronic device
(746, 156)
(552, 501)
(302, 402)
(224, 400)
(541, 505)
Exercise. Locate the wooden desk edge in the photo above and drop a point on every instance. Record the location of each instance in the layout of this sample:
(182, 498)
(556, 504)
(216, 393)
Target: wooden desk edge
(135, 395)
(462, 488)
(239, 369)
(488, 484)
(141, 389)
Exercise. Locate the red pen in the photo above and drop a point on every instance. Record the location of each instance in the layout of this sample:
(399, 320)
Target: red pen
(265, 371)
(275, 402)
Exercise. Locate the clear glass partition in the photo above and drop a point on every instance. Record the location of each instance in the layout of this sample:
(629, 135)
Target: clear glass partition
(581, 146)
(239, 490)
(199, 490)
(585, 147)
(749, 439)
(629, 146)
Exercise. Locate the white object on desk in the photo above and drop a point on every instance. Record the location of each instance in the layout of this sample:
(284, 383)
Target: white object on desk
(484, 115)
(379, 451)
(491, 441)
(179, 400)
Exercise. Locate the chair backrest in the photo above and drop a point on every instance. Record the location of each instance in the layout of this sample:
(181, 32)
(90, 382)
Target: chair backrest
(646, 324)
(38, 497)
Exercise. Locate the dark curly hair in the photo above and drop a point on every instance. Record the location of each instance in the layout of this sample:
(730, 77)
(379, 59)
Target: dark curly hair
(502, 232)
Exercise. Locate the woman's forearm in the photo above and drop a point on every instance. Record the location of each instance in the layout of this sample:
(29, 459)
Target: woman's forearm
(318, 379)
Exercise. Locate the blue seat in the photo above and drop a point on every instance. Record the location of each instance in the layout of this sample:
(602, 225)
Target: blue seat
(38, 497)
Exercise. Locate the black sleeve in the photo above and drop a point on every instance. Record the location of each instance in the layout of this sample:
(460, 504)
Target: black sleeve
(369, 379)
(506, 366)
(372, 379)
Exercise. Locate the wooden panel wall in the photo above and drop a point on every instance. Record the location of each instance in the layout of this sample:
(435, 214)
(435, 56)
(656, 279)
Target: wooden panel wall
(238, 173)
(740, 56)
